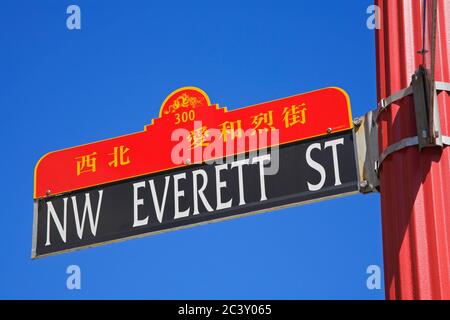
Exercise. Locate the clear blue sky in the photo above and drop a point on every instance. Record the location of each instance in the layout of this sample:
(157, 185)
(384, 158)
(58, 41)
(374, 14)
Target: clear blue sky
(61, 88)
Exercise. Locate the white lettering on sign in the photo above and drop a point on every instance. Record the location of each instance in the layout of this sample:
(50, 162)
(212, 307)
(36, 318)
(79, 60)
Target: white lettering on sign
(62, 227)
(262, 180)
(239, 164)
(160, 201)
(319, 168)
(198, 191)
(333, 144)
(316, 166)
(87, 209)
(138, 202)
(219, 186)
(51, 212)
(179, 194)
(159, 208)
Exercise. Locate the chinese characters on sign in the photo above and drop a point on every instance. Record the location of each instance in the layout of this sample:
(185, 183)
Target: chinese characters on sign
(88, 163)
(260, 124)
(293, 118)
(294, 115)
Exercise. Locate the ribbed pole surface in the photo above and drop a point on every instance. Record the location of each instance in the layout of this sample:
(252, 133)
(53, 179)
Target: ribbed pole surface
(415, 186)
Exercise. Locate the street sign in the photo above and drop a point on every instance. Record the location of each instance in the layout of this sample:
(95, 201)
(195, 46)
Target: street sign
(195, 164)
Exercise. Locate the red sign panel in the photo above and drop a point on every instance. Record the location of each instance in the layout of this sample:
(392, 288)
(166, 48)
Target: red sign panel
(191, 130)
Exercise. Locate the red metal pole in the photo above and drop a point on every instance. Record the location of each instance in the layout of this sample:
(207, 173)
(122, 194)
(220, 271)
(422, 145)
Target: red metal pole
(415, 185)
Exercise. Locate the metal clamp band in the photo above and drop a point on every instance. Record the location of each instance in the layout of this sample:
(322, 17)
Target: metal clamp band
(442, 86)
(405, 143)
(402, 144)
(386, 102)
(441, 141)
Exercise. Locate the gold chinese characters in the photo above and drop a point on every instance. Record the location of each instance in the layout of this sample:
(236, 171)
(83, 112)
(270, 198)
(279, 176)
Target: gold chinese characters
(88, 163)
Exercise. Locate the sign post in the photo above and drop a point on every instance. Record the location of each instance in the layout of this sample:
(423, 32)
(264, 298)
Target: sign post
(414, 181)
(195, 164)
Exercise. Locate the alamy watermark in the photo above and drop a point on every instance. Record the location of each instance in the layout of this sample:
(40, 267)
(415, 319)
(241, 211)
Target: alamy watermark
(73, 281)
(73, 21)
(374, 20)
(374, 280)
(225, 146)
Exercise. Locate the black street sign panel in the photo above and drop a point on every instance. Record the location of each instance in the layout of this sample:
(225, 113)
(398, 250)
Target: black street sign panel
(297, 173)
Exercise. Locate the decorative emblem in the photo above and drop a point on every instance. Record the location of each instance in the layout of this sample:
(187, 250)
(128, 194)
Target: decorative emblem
(184, 101)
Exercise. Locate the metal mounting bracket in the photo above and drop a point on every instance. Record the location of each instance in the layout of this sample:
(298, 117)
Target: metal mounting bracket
(405, 143)
(387, 102)
(426, 108)
(402, 144)
(366, 137)
(366, 130)
(427, 116)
